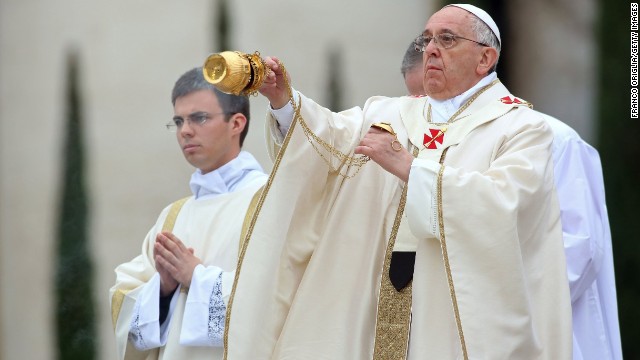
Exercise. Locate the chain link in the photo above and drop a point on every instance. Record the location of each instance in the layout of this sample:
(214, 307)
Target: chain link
(350, 161)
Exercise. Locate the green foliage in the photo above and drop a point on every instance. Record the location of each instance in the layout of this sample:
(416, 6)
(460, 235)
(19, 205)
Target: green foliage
(334, 85)
(222, 25)
(75, 320)
(618, 146)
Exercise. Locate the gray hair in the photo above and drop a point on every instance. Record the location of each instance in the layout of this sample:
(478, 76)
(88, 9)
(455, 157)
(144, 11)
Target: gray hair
(485, 35)
(193, 80)
(412, 59)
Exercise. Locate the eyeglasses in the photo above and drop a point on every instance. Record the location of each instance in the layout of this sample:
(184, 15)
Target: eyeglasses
(197, 118)
(442, 41)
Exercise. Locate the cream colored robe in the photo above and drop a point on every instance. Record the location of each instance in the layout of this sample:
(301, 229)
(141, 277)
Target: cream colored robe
(494, 287)
(212, 226)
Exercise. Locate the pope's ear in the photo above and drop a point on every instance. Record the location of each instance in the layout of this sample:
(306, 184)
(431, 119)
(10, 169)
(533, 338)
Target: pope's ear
(488, 59)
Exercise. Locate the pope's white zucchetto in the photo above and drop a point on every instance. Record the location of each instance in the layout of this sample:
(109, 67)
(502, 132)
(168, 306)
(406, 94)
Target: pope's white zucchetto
(482, 15)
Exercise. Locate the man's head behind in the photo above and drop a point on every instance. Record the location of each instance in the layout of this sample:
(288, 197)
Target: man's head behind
(210, 125)
(462, 49)
(412, 70)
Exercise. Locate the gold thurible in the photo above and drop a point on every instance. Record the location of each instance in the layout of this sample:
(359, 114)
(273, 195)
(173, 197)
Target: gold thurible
(235, 72)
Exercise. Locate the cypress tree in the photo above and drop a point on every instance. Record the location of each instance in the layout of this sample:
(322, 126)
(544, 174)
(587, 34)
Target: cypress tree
(75, 323)
(334, 85)
(222, 25)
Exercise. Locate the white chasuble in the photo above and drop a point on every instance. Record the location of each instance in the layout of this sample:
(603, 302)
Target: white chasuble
(212, 227)
(489, 281)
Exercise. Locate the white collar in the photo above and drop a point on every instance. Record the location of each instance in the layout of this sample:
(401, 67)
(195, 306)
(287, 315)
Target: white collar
(442, 110)
(227, 178)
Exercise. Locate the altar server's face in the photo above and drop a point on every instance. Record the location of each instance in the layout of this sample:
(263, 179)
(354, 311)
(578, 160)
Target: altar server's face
(208, 137)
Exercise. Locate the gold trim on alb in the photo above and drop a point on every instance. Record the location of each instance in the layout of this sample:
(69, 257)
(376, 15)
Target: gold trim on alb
(445, 257)
(254, 218)
(393, 322)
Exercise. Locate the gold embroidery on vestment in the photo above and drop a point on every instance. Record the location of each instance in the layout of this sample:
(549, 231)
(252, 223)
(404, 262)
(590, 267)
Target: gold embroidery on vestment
(170, 221)
(118, 296)
(445, 257)
(393, 321)
(462, 108)
(116, 305)
(254, 217)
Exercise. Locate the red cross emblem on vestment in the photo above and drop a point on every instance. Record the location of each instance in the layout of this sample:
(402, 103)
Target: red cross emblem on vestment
(437, 136)
(512, 100)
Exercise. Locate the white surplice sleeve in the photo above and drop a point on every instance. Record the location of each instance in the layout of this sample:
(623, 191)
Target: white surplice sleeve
(421, 198)
(284, 118)
(206, 307)
(145, 331)
(587, 242)
(204, 314)
(581, 195)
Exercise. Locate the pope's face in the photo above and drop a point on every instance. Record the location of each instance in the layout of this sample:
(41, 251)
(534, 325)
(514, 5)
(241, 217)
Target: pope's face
(213, 143)
(450, 72)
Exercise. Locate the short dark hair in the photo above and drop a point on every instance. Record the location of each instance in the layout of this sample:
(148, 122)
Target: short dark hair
(193, 80)
(412, 58)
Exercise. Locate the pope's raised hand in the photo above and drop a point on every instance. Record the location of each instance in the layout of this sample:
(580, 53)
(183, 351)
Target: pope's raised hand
(275, 87)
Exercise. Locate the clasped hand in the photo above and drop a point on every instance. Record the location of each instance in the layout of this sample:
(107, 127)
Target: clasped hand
(174, 262)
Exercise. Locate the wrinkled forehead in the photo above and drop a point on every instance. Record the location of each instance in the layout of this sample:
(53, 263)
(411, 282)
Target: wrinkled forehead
(449, 19)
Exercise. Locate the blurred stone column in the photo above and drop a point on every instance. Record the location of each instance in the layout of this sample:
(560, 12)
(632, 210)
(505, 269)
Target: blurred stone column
(552, 48)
